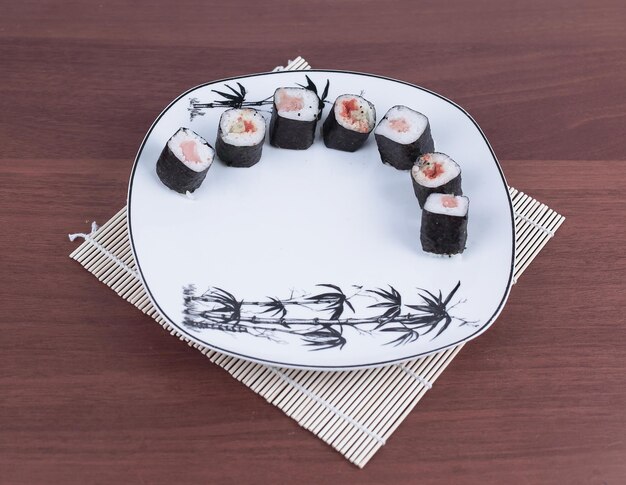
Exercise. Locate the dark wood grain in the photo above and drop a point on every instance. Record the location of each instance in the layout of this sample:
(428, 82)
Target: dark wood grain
(92, 391)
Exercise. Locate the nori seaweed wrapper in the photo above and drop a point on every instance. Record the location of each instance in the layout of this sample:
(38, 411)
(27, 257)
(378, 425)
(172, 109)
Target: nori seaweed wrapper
(341, 138)
(291, 134)
(403, 156)
(176, 175)
(452, 187)
(237, 156)
(443, 234)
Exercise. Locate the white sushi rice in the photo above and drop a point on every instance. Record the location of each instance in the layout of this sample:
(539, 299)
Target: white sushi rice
(449, 170)
(435, 204)
(204, 151)
(365, 112)
(233, 129)
(309, 102)
(416, 122)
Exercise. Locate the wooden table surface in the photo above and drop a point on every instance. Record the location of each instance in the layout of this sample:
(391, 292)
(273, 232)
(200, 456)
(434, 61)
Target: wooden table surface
(92, 391)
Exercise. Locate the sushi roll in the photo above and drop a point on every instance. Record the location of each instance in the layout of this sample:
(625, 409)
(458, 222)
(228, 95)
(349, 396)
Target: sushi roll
(240, 137)
(435, 173)
(402, 136)
(184, 161)
(294, 118)
(349, 123)
(444, 224)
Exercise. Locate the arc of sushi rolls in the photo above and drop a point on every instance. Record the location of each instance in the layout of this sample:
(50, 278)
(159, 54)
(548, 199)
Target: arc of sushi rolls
(444, 224)
(184, 161)
(435, 173)
(294, 118)
(240, 137)
(403, 135)
(349, 123)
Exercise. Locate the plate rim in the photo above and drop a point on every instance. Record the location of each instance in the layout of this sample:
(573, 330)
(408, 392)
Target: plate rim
(187, 335)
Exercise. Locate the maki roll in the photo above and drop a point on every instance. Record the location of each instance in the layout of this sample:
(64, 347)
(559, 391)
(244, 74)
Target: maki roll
(184, 161)
(402, 136)
(444, 224)
(349, 123)
(240, 137)
(435, 173)
(294, 117)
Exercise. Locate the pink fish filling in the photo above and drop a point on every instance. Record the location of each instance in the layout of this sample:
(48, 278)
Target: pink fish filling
(350, 110)
(289, 103)
(400, 125)
(449, 201)
(190, 151)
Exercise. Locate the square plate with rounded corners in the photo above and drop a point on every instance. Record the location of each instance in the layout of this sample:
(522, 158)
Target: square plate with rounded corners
(312, 258)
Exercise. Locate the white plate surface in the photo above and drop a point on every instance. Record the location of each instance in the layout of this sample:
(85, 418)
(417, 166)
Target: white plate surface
(238, 267)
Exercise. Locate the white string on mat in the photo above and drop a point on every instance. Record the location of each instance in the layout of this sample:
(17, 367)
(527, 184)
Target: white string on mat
(427, 384)
(326, 404)
(94, 228)
(534, 224)
(89, 238)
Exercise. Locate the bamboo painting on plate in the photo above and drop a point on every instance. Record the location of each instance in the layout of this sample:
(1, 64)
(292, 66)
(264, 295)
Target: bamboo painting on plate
(217, 309)
(312, 258)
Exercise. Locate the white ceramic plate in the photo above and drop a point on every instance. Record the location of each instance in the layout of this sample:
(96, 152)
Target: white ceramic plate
(312, 258)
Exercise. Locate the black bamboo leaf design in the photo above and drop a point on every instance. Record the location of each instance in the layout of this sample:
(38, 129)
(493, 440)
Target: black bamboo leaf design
(325, 92)
(275, 307)
(310, 85)
(236, 98)
(334, 301)
(325, 337)
(226, 95)
(407, 335)
(225, 302)
(392, 302)
(218, 309)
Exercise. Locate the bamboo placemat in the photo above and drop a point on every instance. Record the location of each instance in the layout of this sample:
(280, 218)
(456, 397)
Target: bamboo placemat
(353, 411)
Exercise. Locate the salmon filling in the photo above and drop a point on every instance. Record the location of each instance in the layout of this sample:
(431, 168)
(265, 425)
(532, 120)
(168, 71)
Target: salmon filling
(287, 102)
(348, 106)
(355, 115)
(432, 170)
(190, 151)
(400, 125)
(449, 201)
